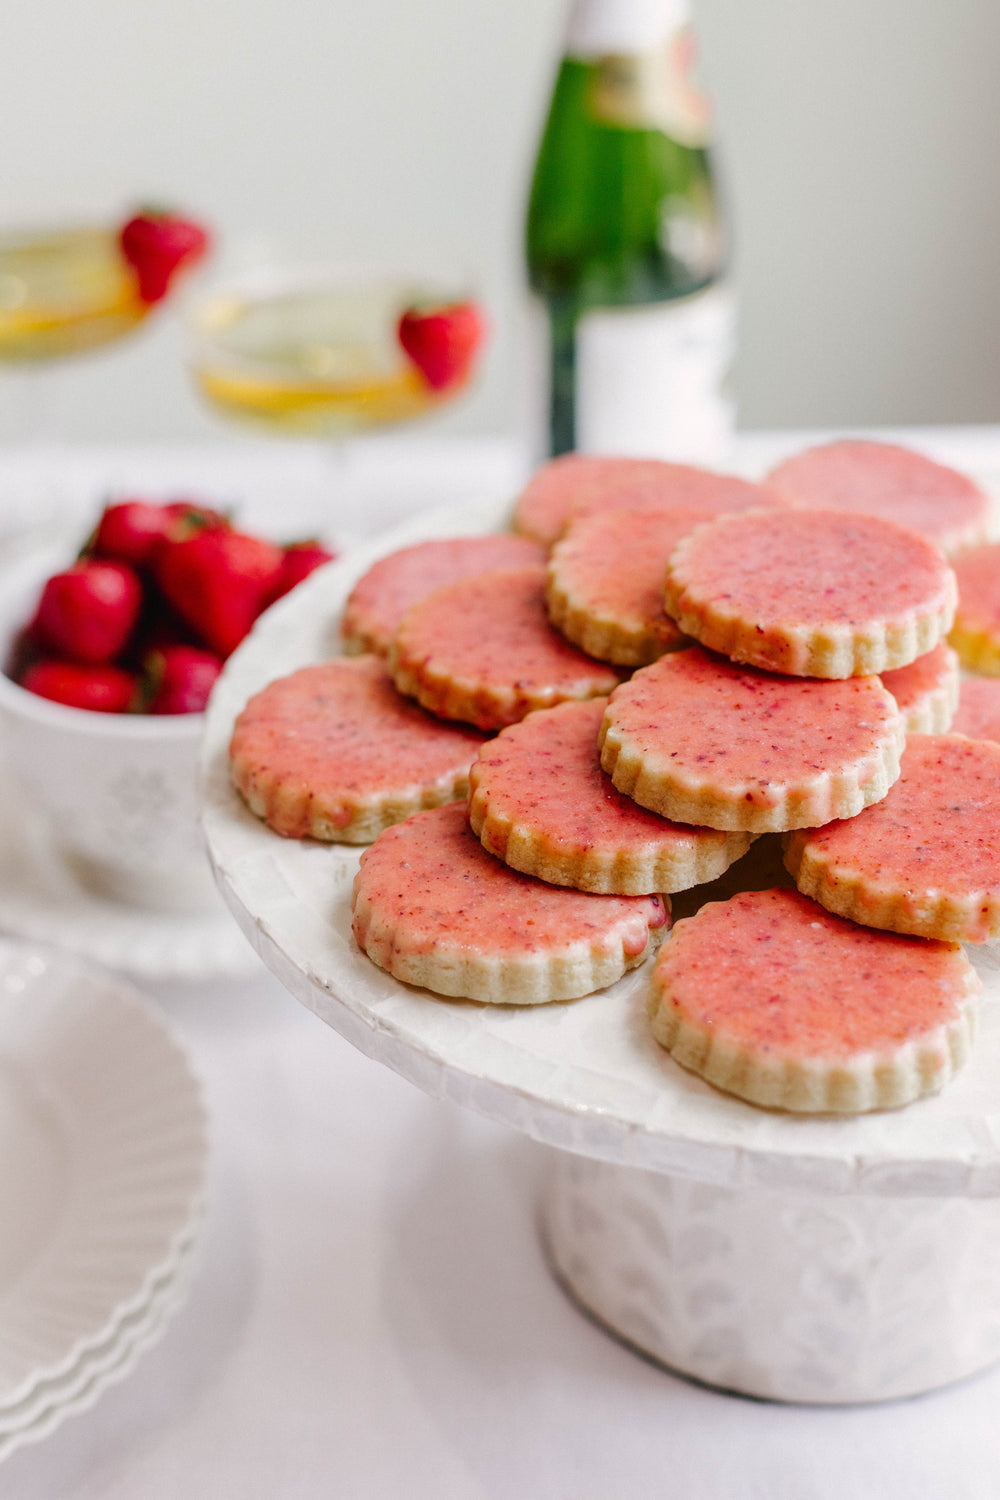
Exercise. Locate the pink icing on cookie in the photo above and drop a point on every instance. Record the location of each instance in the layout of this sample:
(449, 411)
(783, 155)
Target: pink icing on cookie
(815, 568)
(756, 732)
(381, 597)
(978, 714)
(487, 641)
(932, 837)
(578, 484)
(613, 564)
(978, 574)
(885, 480)
(546, 772)
(929, 676)
(333, 735)
(432, 882)
(779, 975)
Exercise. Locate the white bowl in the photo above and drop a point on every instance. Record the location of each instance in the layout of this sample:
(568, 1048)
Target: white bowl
(115, 793)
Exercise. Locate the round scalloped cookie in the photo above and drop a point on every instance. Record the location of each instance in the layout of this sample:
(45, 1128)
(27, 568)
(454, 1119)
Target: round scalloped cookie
(539, 801)
(482, 650)
(380, 598)
(814, 593)
(773, 999)
(434, 909)
(926, 691)
(605, 583)
(926, 859)
(976, 632)
(333, 752)
(701, 740)
(978, 712)
(578, 484)
(883, 479)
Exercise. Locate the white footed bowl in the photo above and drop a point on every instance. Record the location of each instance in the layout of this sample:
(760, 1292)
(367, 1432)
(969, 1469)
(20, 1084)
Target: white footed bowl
(115, 793)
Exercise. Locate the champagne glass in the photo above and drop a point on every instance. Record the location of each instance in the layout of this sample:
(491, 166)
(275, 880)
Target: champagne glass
(329, 353)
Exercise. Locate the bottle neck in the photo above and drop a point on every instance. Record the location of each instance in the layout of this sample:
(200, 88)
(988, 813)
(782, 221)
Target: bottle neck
(599, 28)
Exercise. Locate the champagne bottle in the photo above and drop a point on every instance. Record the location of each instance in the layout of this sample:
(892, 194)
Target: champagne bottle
(625, 246)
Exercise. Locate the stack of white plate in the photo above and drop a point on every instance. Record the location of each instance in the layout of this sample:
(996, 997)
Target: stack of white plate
(103, 1161)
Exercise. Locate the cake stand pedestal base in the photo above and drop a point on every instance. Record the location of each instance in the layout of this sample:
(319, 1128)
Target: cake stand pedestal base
(780, 1295)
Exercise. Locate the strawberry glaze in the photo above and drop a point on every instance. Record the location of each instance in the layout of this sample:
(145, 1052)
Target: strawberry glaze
(579, 484)
(545, 773)
(709, 721)
(777, 974)
(335, 734)
(612, 565)
(934, 833)
(483, 649)
(431, 881)
(978, 714)
(881, 479)
(381, 597)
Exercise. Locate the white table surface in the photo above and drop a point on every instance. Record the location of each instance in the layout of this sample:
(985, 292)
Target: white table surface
(372, 1316)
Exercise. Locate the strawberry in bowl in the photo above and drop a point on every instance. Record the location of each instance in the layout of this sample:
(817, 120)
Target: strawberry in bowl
(109, 661)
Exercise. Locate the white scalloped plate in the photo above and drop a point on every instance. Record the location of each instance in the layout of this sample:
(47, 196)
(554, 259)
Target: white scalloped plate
(103, 1159)
(109, 1364)
(41, 900)
(45, 1404)
(584, 1075)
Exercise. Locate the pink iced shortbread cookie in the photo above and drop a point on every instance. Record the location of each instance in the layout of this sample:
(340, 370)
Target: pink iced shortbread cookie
(482, 650)
(578, 484)
(540, 801)
(701, 740)
(773, 999)
(812, 593)
(978, 713)
(380, 598)
(333, 752)
(925, 860)
(926, 691)
(882, 479)
(605, 583)
(976, 633)
(434, 909)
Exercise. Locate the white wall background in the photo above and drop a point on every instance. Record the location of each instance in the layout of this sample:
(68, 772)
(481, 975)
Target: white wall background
(861, 141)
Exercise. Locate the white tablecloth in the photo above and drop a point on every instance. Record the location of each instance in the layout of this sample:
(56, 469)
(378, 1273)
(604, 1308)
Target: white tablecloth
(372, 1315)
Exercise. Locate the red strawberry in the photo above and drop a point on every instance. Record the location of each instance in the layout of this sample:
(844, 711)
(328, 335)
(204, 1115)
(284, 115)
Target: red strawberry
(187, 516)
(157, 245)
(103, 689)
(443, 341)
(300, 559)
(180, 679)
(219, 581)
(131, 531)
(88, 612)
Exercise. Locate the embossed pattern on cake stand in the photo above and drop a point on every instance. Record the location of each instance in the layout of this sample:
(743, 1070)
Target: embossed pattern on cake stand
(794, 1258)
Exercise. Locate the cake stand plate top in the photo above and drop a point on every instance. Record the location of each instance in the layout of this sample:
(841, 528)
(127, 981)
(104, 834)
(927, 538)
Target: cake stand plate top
(583, 1075)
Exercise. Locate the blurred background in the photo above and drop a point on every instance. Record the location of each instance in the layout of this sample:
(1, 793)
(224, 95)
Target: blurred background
(859, 148)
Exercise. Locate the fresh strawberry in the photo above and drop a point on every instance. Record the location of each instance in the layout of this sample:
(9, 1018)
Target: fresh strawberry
(180, 679)
(130, 531)
(103, 689)
(219, 581)
(300, 559)
(188, 516)
(157, 245)
(443, 341)
(88, 612)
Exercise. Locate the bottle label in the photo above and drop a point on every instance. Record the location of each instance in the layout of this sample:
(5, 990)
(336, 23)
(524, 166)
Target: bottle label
(653, 381)
(655, 90)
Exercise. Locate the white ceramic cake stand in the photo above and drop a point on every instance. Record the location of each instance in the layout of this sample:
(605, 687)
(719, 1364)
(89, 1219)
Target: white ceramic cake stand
(819, 1260)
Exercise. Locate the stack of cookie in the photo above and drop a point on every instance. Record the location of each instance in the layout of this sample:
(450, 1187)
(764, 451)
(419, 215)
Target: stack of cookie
(610, 707)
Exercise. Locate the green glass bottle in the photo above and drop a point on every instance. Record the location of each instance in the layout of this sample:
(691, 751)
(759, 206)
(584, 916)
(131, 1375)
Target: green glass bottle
(624, 241)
